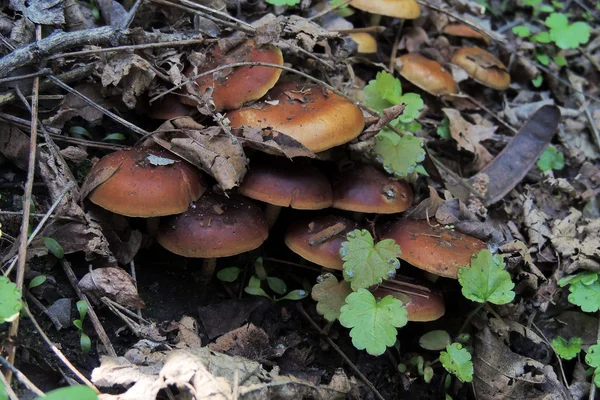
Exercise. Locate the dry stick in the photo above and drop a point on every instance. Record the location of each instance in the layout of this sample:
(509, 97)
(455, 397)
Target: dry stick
(592, 124)
(216, 12)
(9, 391)
(56, 351)
(91, 313)
(329, 9)
(21, 377)
(41, 72)
(562, 370)
(395, 46)
(131, 14)
(14, 326)
(340, 352)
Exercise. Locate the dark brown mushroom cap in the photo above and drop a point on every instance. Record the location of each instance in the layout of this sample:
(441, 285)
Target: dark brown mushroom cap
(306, 238)
(422, 302)
(215, 226)
(315, 117)
(132, 186)
(406, 9)
(366, 189)
(287, 184)
(427, 74)
(168, 107)
(241, 84)
(432, 248)
(482, 66)
(462, 30)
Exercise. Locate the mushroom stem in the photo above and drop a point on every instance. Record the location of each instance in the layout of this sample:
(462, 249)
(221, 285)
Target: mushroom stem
(208, 270)
(271, 214)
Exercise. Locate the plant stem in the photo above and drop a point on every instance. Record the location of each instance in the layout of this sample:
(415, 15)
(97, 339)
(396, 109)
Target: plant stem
(469, 317)
(271, 214)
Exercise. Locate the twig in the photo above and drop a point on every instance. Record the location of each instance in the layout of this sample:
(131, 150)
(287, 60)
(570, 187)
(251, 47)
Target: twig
(21, 377)
(493, 114)
(134, 277)
(56, 351)
(329, 9)
(562, 370)
(469, 317)
(131, 14)
(41, 72)
(457, 178)
(340, 352)
(9, 391)
(592, 124)
(216, 12)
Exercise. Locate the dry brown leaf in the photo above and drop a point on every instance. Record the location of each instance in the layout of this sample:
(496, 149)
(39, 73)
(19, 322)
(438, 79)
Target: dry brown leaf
(247, 341)
(97, 178)
(272, 142)
(73, 106)
(468, 136)
(131, 72)
(114, 283)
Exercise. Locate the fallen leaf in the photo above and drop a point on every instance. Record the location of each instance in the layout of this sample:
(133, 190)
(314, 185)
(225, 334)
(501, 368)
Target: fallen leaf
(131, 72)
(114, 283)
(43, 12)
(247, 341)
(73, 106)
(272, 142)
(469, 136)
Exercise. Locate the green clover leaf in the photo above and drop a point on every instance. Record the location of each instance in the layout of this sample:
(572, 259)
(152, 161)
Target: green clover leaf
(551, 159)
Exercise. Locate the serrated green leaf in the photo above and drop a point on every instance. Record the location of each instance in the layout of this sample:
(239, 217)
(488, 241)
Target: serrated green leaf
(10, 300)
(551, 159)
(486, 280)
(114, 136)
(330, 296)
(85, 343)
(414, 104)
(443, 130)
(557, 21)
(284, 2)
(435, 340)
(229, 274)
(256, 291)
(82, 308)
(53, 247)
(585, 296)
(592, 358)
(457, 361)
(37, 281)
(521, 31)
(398, 155)
(298, 294)
(567, 350)
(388, 87)
(565, 35)
(277, 285)
(373, 323)
(365, 263)
(586, 277)
(80, 392)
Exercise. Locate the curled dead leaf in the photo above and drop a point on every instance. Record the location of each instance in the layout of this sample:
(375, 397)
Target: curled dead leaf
(114, 283)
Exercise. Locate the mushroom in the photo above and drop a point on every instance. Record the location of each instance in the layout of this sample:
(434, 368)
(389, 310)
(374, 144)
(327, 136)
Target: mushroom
(366, 44)
(423, 303)
(405, 9)
(320, 239)
(216, 226)
(365, 189)
(432, 248)
(281, 183)
(462, 30)
(427, 74)
(314, 116)
(242, 84)
(144, 182)
(482, 67)
(169, 107)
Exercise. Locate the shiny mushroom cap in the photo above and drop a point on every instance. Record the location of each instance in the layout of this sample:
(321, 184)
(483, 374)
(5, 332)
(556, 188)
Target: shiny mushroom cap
(431, 247)
(314, 116)
(364, 188)
(366, 43)
(144, 182)
(423, 303)
(239, 85)
(405, 9)
(287, 184)
(320, 239)
(169, 107)
(427, 74)
(483, 67)
(215, 226)
(462, 30)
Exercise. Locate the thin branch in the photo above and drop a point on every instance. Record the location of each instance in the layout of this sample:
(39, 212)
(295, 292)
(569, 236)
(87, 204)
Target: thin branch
(21, 377)
(9, 391)
(41, 72)
(329, 9)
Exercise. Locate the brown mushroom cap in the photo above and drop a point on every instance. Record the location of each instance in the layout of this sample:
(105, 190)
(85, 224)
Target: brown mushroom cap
(287, 184)
(422, 302)
(483, 67)
(462, 30)
(168, 107)
(215, 226)
(241, 84)
(406, 9)
(427, 74)
(366, 43)
(307, 239)
(432, 248)
(366, 189)
(137, 188)
(316, 117)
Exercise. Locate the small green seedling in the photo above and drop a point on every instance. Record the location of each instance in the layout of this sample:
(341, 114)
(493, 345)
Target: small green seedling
(80, 130)
(551, 159)
(457, 361)
(284, 2)
(275, 284)
(80, 392)
(584, 290)
(84, 340)
(424, 368)
(229, 274)
(37, 281)
(10, 300)
(443, 130)
(114, 136)
(54, 247)
(399, 155)
(567, 350)
(435, 340)
(592, 359)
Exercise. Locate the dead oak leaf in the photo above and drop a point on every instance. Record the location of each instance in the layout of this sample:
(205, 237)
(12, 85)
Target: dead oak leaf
(114, 283)
(132, 73)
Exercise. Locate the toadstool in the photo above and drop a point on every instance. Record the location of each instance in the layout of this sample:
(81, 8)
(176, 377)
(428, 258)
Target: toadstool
(483, 67)
(427, 74)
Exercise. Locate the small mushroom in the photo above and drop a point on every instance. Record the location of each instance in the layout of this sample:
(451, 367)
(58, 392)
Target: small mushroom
(483, 67)
(169, 107)
(282, 183)
(314, 116)
(320, 239)
(427, 74)
(430, 246)
(422, 302)
(366, 189)
(366, 43)
(144, 182)
(462, 30)
(405, 9)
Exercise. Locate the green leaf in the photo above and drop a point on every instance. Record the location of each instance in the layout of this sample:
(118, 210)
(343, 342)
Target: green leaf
(80, 130)
(259, 269)
(256, 291)
(414, 104)
(585, 296)
(398, 155)
(542, 37)
(565, 35)
(427, 374)
(330, 296)
(366, 263)
(277, 285)
(37, 281)
(586, 277)
(543, 59)
(567, 350)
(546, 8)
(521, 31)
(560, 61)
(96, 14)
(114, 136)
(532, 3)
(294, 295)
(592, 358)
(82, 308)
(254, 282)
(71, 393)
(85, 343)
(486, 280)
(54, 248)
(374, 323)
(10, 300)
(228, 274)
(388, 87)
(435, 340)
(78, 324)
(457, 361)
(284, 2)
(443, 130)
(537, 81)
(551, 159)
